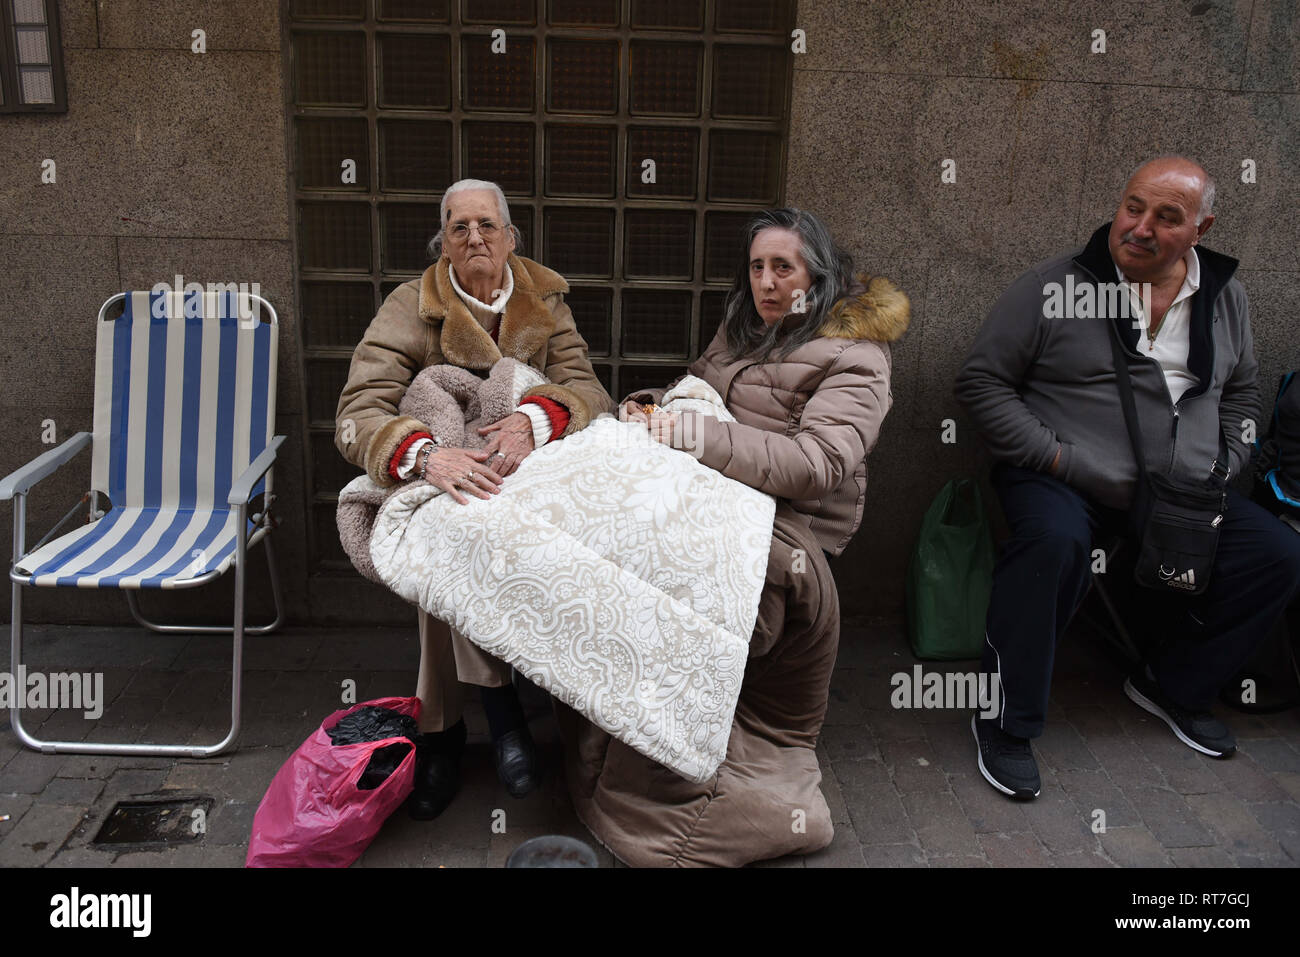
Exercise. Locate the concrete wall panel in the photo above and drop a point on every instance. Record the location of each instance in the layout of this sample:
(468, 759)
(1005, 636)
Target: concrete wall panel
(157, 143)
(1044, 134)
(228, 25)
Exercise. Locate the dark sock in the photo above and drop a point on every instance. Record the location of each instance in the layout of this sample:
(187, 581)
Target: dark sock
(504, 712)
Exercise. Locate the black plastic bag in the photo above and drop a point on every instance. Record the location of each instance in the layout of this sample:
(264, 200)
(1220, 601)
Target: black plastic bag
(372, 723)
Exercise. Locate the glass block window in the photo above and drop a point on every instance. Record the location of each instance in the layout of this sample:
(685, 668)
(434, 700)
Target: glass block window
(580, 242)
(636, 377)
(332, 153)
(668, 14)
(31, 58)
(659, 244)
(656, 323)
(752, 16)
(415, 155)
(423, 11)
(666, 78)
(583, 13)
(744, 166)
(404, 231)
(633, 140)
(331, 312)
(593, 312)
(712, 305)
(722, 233)
(330, 69)
(498, 81)
(328, 9)
(501, 153)
(334, 236)
(414, 71)
(522, 12)
(325, 380)
(672, 170)
(582, 76)
(747, 82)
(522, 217)
(581, 160)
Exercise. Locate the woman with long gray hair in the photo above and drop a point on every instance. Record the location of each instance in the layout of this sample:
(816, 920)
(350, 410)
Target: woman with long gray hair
(802, 360)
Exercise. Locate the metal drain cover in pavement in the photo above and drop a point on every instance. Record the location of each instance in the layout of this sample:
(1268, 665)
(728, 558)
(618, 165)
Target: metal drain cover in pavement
(179, 821)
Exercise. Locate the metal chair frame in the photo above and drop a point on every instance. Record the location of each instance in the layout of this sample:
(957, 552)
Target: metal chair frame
(18, 485)
(1118, 634)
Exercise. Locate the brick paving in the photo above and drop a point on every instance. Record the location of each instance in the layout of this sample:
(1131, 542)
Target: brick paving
(902, 785)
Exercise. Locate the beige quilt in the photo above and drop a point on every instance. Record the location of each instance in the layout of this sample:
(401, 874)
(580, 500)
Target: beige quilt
(619, 574)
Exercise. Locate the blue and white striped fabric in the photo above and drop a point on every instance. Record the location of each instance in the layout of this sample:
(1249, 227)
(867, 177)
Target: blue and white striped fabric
(184, 401)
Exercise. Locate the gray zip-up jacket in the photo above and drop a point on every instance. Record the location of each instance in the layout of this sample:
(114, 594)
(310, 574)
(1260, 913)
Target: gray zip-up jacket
(1032, 381)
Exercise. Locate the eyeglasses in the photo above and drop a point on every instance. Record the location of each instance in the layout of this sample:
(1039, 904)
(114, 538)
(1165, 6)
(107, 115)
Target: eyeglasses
(487, 231)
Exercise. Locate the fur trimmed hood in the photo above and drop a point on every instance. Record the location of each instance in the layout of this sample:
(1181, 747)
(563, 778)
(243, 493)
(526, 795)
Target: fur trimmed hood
(881, 313)
(526, 324)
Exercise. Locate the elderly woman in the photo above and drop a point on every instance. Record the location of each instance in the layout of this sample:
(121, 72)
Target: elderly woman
(802, 360)
(477, 303)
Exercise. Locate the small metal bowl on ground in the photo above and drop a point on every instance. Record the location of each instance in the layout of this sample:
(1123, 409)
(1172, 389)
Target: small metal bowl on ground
(552, 850)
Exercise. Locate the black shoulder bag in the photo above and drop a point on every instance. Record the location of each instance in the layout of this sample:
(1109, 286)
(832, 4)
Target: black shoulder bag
(1175, 524)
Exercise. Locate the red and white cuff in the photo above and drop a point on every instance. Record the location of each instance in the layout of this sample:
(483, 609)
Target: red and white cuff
(549, 418)
(403, 460)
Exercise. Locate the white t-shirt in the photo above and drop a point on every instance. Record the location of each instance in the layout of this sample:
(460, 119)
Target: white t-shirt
(1173, 335)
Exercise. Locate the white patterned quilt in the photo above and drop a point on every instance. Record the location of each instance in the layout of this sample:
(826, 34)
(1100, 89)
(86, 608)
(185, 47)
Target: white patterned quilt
(616, 573)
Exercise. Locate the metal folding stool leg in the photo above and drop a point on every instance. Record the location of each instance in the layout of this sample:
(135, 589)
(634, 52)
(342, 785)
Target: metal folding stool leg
(133, 603)
(152, 750)
(1120, 636)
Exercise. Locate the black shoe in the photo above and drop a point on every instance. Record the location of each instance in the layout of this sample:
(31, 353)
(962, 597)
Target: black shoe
(437, 771)
(516, 758)
(1199, 730)
(1006, 761)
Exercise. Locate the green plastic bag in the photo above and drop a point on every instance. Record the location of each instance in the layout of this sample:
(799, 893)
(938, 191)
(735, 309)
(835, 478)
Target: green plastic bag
(951, 575)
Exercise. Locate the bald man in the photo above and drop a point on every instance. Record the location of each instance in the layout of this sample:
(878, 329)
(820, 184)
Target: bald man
(1041, 387)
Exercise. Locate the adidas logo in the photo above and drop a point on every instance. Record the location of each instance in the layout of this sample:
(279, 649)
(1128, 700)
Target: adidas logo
(1187, 581)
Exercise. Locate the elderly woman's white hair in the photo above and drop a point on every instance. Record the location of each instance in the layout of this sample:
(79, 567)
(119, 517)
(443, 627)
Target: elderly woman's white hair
(435, 244)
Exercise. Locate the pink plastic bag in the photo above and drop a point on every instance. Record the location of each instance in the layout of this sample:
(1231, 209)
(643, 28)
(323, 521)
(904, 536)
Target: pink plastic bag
(313, 814)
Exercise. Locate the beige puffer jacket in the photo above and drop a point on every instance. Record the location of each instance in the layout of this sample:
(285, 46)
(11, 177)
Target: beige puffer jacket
(806, 421)
(423, 323)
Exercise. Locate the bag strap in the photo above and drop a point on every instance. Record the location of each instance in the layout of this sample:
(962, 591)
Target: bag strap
(1277, 400)
(1126, 399)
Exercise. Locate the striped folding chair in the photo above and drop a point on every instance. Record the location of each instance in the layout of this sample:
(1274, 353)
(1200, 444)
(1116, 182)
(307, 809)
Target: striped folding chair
(184, 411)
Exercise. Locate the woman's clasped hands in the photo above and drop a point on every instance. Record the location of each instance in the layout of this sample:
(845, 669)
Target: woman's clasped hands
(659, 423)
(454, 469)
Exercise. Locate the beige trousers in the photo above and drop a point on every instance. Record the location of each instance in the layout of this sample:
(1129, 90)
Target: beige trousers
(448, 658)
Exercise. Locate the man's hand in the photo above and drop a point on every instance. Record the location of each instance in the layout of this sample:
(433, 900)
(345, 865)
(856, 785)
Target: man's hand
(511, 441)
(1056, 462)
(454, 469)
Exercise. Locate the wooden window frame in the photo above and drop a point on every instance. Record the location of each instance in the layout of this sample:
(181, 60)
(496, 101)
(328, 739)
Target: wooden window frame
(10, 77)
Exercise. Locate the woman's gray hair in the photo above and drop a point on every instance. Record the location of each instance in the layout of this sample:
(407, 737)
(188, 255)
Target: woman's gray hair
(830, 272)
(435, 244)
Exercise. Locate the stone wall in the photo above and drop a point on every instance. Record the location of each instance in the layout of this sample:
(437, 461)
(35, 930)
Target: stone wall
(167, 161)
(172, 162)
(1044, 133)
